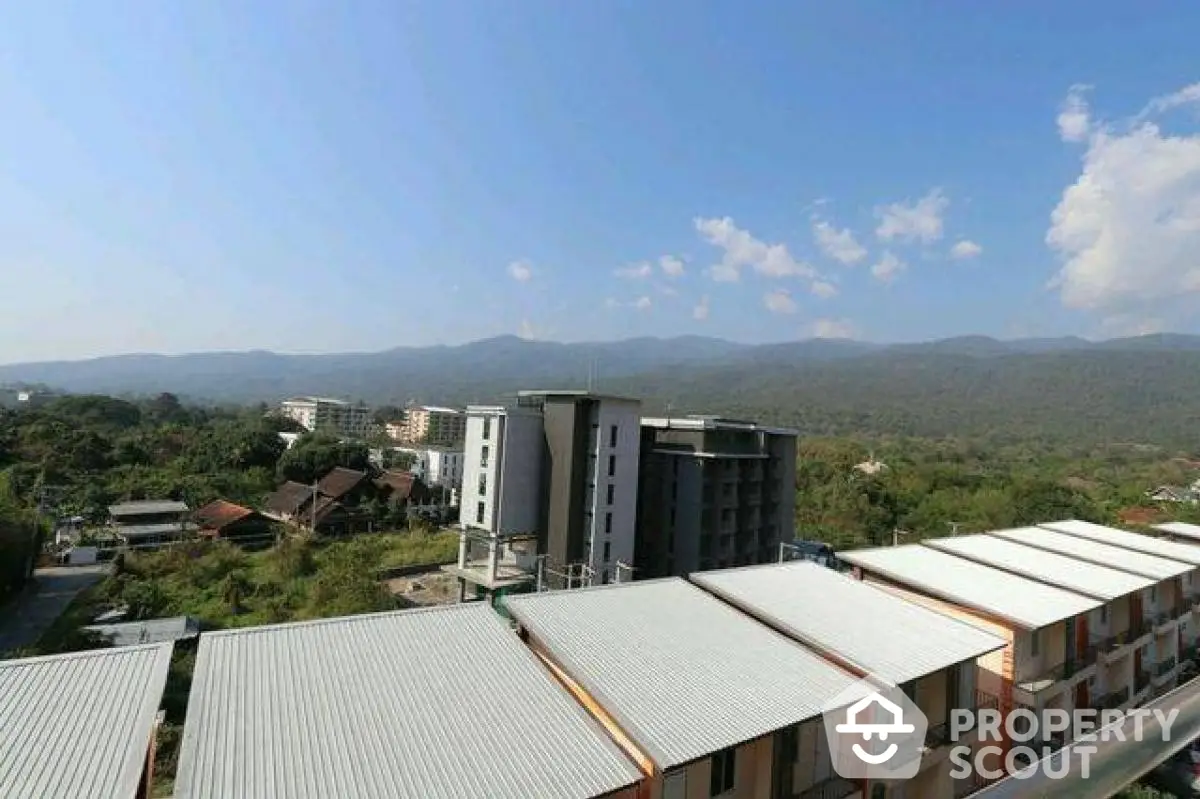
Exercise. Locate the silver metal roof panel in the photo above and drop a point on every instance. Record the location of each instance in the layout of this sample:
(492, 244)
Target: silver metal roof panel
(1064, 572)
(864, 626)
(1126, 560)
(1021, 602)
(1181, 529)
(434, 703)
(1126, 540)
(79, 724)
(683, 673)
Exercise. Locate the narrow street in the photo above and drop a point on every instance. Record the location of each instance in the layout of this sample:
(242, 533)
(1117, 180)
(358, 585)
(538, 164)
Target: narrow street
(25, 619)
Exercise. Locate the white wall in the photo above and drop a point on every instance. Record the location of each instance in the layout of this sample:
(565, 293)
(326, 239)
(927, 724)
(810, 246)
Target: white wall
(627, 418)
(512, 476)
(520, 466)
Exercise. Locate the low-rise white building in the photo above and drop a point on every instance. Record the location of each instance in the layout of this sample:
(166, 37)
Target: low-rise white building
(328, 415)
(437, 466)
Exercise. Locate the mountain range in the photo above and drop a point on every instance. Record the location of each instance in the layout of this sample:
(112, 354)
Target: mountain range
(970, 384)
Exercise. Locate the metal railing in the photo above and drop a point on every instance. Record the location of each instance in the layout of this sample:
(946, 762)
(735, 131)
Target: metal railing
(1120, 756)
(832, 788)
(1166, 666)
(1112, 700)
(1051, 674)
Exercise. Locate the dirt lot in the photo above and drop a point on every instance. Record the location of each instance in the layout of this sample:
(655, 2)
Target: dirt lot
(429, 588)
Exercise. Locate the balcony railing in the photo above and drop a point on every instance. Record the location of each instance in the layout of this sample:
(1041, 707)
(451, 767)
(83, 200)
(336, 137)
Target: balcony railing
(1087, 656)
(1162, 619)
(1138, 628)
(1166, 666)
(1189, 652)
(937, 735)
(1048, 674)
(1113, 700)
(832, 788)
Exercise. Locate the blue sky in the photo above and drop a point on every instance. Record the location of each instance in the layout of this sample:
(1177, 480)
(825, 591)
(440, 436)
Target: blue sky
(311, 176)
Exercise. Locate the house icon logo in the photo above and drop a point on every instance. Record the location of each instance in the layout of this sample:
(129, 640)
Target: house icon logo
(874, 732)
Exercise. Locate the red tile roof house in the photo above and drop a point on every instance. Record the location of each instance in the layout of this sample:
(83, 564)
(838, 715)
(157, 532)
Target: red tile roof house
(223, 519)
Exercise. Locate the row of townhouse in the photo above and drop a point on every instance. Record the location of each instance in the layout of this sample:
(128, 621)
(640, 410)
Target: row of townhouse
(706, 687)
(658, 689)
(1094, 617)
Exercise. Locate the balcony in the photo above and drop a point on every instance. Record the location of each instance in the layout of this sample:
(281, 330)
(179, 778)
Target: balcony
(1162, 622)
(1189, 652)
(1138, 628)
(1087, 656)
(1165, 667)
(1111, 646)
(1111, 701)
(937, 735)
(832, 788)
(1141, 680)
(1045, 678)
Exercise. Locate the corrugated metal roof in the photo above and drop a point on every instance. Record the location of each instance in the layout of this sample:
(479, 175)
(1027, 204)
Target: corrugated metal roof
(79, 725)
(147, 506)
(1024, 603)
(1126, 560)
(1181, 529)
(436, 703)
(682, 673)
(1097, 582)
(1185, 553)
(152, 631)
(852, 620)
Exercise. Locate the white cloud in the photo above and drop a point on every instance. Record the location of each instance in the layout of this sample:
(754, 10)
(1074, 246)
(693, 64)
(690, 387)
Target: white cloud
(834, 328)
(611, 303)
(639, 271)
(1160, 105)
(1073, 119)
(671, 266)
(743, 250)
(913, 221)
(642, 303)
(888, 267)
(839, 245)
(1128, 229)
(779, 301)
(527, 331)
(824, 290)
(965, 249)
(520, 271)
(700, 312)
(667, 290)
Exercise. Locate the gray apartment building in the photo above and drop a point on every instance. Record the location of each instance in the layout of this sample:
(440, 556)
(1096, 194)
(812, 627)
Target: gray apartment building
(713, 493)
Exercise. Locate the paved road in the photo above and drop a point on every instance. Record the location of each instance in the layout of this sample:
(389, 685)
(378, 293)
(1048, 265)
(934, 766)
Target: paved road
(23, 621)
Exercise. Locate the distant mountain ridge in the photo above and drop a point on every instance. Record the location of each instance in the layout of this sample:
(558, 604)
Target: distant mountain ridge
(482, 369)
(1144, 389)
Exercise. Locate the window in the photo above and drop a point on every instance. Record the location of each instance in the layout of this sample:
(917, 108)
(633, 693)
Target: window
(483, 457)
(675, 785)
(1153, 594)
(612, 465)
(607, 551)
(610, 493)
(612, 436)
(487, 427)
(1104, 614)
(723, 765)
(1035, 643)
(479, 510)
(608, 523)
(482, 483)
(604, 577)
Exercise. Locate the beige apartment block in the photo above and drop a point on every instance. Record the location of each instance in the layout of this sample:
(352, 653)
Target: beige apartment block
(1093, 678)
(712, 702)
(872, 633)
(1034, 619)
(429, 424)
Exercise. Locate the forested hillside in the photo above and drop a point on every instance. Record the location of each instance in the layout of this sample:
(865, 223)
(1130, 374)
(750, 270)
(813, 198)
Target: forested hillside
(1061, 390)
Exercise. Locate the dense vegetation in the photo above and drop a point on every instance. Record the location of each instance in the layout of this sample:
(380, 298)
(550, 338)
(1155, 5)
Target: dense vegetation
(932, 486)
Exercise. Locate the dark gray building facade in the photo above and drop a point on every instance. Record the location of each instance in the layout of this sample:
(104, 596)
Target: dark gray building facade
(713, 493)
